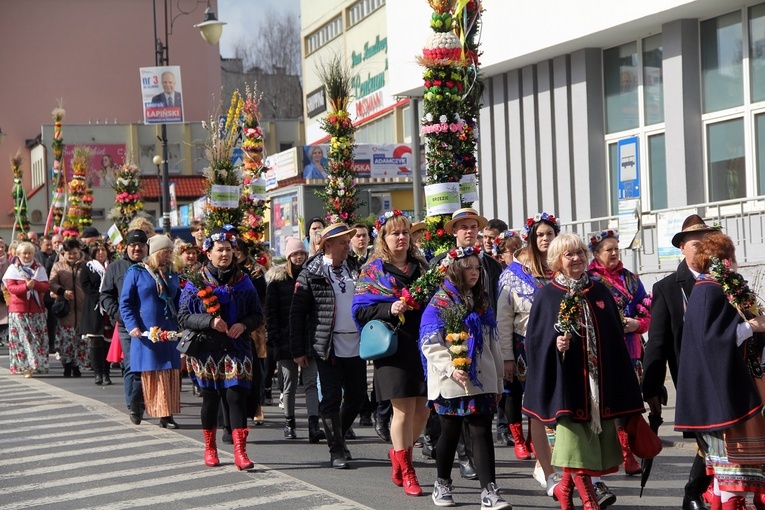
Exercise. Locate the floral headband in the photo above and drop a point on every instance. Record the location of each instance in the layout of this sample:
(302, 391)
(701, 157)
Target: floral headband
(594, 239)
(383, 219)
(508, 234)
(218, 237)
(546, 217)
(187, 246)
(459, 253)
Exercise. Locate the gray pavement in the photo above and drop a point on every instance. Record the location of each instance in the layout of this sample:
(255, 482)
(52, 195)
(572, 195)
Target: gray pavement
(67, 443)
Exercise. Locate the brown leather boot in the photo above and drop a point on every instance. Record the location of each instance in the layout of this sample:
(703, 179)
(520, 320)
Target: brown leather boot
(211, 448)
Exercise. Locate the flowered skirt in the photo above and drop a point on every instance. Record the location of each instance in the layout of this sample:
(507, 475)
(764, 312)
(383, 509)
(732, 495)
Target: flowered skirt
(28, 342)
(731, 477)
(222, 369)
(71, 347)
(485, 403)
(162, 392)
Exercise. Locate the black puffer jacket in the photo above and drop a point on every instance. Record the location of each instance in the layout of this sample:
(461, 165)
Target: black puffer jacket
(312, 313)
(279, 292)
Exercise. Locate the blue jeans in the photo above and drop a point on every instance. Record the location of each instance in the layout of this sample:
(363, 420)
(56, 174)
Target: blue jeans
(131, 380)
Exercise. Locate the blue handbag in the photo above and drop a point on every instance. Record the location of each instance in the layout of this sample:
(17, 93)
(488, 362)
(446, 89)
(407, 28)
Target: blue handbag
(379, 339)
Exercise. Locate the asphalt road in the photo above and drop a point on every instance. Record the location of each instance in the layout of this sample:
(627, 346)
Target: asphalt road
(68, 444)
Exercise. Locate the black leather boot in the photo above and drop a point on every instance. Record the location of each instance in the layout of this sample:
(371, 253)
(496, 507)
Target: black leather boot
(335, 440)
(464, 459)
(289, 428)
(136, 413)
(315, 434)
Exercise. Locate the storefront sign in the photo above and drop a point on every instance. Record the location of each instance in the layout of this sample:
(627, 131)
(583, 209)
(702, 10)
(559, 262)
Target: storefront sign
(368, 105)
(316, 102)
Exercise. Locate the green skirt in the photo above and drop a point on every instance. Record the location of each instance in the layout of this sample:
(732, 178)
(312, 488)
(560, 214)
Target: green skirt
(579, 450)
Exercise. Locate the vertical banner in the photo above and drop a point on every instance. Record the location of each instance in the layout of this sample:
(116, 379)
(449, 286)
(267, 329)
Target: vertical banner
(161, 93)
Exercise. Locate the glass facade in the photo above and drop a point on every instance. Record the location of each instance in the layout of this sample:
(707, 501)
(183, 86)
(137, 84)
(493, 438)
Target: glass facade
(726, 162)
(653, 80)
(759, 140)
(757, 51)
(620, 74)
(722, 62)
(657, 162)
(613, 173)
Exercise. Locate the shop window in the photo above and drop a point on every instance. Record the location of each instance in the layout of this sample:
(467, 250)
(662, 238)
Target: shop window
(757, 51)
(653, 80)
(722, 62)
(620, 70)
(726, 165)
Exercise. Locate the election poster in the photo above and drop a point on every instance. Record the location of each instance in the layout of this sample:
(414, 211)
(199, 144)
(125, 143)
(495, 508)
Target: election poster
(161, 94)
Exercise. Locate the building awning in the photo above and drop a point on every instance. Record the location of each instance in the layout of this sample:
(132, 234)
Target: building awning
(186, 187)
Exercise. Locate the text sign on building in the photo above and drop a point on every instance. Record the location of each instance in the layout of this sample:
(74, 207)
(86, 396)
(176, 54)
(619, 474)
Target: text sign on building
(161, 94)
(628, 159)
(316, 102)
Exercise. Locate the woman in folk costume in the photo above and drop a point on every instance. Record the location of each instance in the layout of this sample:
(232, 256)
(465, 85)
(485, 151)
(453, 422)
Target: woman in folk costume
(720, 380)
(148, 301)
(519, 283)
(464, 371)
(381, 293)
(580, 374)
(27, 283)
(221, 304)
(633, 303)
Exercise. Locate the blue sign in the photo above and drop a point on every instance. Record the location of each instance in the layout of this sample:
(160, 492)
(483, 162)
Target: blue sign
(628, 159)
(237, 156)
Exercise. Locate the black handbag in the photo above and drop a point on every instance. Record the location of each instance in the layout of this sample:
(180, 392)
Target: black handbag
(379, 339)
(190, 343)
(60, 308)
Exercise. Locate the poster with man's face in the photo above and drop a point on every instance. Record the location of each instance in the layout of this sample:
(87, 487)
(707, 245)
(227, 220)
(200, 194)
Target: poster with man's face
(161, 95)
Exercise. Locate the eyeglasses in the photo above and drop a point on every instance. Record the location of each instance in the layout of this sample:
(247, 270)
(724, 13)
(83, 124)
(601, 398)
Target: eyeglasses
(577, 254)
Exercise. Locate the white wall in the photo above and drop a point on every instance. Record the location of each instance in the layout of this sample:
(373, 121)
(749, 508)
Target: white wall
(517, 33)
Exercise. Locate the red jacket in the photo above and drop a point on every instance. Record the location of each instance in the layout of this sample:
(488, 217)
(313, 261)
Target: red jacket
(19, 302)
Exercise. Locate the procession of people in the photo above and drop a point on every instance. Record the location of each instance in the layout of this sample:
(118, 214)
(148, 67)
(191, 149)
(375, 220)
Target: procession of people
(534, 327)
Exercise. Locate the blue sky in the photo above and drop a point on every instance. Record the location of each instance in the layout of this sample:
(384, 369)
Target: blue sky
(242, 16)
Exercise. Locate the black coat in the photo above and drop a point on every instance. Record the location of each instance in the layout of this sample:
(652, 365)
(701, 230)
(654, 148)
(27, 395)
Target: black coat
(492, 270)
(92, 318)
(312, 313)
(558, 387)
(279, 292)
(715, 389)
(666, 330)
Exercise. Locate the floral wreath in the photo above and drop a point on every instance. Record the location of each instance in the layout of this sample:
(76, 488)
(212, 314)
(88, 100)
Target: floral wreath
(735, 287)
(546, 217)
(596, 237)
(507, 234)
(187, 246)
(459, 253)
(422, 288)
(218, 237)
(383, 219)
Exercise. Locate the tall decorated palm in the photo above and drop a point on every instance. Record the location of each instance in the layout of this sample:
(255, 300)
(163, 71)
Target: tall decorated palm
(127, 195)
(341, 193)
(253, 198)
(451, 102)
(56, 213)
(224, 178)
(78, 187)
(19, 195)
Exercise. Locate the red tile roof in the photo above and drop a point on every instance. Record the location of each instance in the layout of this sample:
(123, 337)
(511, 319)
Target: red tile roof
(186, 186)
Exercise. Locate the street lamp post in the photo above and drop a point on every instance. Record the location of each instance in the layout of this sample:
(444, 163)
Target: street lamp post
(211, 30)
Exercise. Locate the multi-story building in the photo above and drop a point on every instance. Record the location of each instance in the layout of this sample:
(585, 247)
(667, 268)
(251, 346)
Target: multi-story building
(605, 112)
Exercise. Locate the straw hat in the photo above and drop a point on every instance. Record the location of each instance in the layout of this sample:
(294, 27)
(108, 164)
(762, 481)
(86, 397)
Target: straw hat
(466, 213)
(335, 230)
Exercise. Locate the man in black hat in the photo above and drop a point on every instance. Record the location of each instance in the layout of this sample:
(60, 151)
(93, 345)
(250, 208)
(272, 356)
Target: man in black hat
(665, 333)
(111, 288)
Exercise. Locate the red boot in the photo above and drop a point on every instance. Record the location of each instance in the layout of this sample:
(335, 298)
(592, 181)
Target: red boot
(712, 499)
(395, 472)
(211, 448)
(759, 501)
(631, 466)
(411, 485)
(520, 448)
(586, 492)
(240, 449)
(563, 492)
(735, 503)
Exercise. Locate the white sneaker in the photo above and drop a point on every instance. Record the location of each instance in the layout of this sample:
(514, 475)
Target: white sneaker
(552, 481)
(539, 475)
(281, 400)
